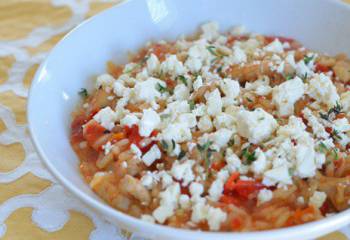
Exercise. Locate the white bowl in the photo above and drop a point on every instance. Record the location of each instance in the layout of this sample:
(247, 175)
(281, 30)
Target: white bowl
(82, 54)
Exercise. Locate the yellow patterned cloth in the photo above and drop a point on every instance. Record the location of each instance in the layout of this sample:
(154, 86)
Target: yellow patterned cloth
(28, 30)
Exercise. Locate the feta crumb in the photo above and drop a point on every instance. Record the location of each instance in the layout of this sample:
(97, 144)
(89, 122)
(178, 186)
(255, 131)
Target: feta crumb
(106, 117)
(322, 89)
(214, 102)
(277, 175)
(149, 121)
(215, 217)
(153, 154)
(184, 201)
(205, 124)
(255, 125)
(183, 171)
(264, 195)
(107, 147)
(286, 94)
(105, 81)
(210, 31)
(136, 151)
(260, 164)
(152, 63)
(129, 120)
(197, 83)
(147, 90)
(172, 66)
(317, 199)
(275, 46)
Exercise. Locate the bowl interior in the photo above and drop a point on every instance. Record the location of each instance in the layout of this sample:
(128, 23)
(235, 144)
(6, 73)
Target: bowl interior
(82, 55)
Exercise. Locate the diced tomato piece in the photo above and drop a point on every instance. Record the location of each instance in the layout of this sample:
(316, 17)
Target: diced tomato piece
(93, 131)
(132, 133)
(77, 129)
(231, 39)
(236, 223)
(114, 70)
(231, 182)
(270, 39)
(322, 68)
(246, 187)
(228, 199)
(325, 208)
(217, 166)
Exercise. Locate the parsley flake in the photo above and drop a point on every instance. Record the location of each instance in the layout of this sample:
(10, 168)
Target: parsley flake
(192, 104)
(308, 59)
(182, 79)
(83, 93)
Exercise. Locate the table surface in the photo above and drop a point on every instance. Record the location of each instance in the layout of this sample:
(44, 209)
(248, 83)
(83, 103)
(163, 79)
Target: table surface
(32, 204)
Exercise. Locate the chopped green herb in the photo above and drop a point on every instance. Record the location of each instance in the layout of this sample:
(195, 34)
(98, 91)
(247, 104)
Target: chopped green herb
(304, 77)
(322, 147)
(173, 143)
(183, 79)
(260, 119)
(308, 59)
(162, 89)
(219, 69)
(291, 171)
(289, 76)
(206, 152)
(164, 145)
(192, 104)
(336, 109)
(335, 135)
(164, 116)
(83, 93)
(335, 153)
(212, 50)
(231, 142)
(181, 154)
(249, 156)
(248, 99)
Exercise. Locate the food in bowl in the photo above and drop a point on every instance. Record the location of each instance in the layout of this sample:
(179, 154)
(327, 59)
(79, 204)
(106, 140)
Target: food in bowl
(219, 132)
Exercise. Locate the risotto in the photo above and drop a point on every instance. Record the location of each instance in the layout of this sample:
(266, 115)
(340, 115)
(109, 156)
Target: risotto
(219, 132)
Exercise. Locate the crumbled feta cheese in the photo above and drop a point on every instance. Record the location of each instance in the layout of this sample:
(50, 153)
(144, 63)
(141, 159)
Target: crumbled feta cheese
(230, 88)
(221, 137)
(215, 217)
(264, 195)
(107, 147)
(149, 179)
(233, 161)
(183, 171)
(317, 199)
(153, 154)
(118, 88)
(316, 126)
(205, 124)
(260, 164)
(181, 92)
(136, 151)
(260, 87)
(286, 94)
(303, 70)
(105, 81)
(322, 89)
(147, 90)
(193, 64)
(210, 31)
(214, 102)
(196, 190)
(168, 203)
(106, 117)
(197, 83)
(277, 175)
(149, 121)
(224, 120)
(255, 125)
(184, 201)
(129, 120)
(172, 66)
(275, 46)
(152, 63)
